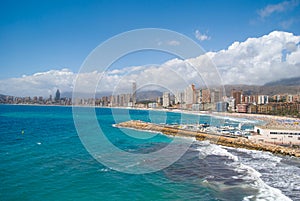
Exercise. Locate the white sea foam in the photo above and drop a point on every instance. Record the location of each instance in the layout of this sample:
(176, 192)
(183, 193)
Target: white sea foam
(260, 154)
(246, 172)
(267, 157)
(275, 172)
(189, 139)
(212, 149)
(266, 192)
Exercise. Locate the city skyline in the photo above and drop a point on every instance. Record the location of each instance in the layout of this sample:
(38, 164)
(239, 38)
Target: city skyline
(191, 99)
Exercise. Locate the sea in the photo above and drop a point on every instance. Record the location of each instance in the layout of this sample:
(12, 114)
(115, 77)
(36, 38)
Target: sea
(43, 157)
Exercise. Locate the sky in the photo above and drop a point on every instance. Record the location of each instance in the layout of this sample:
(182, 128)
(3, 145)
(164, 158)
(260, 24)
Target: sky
(52, 38)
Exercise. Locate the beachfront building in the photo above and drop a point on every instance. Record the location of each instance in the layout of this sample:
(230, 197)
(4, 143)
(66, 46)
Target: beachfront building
(205, 95)
(237, 95)
(166, 99)
(179, 97)
(189, 95)
(262, 99)
(241, 108)
(231, 103)
(275, 135)
(215, 96)
(153, 105)
(221, 106)
(57, 95)
(133, 94)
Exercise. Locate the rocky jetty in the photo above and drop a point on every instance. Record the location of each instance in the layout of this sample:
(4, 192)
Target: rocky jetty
(238, 142)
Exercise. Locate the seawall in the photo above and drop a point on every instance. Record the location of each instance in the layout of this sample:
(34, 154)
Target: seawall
(238, 142)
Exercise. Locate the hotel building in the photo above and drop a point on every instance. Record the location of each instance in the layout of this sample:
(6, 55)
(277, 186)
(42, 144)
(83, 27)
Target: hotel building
(280, 136)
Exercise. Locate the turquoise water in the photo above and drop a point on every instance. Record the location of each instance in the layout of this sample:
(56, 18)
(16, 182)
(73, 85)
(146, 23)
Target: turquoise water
(42, 158)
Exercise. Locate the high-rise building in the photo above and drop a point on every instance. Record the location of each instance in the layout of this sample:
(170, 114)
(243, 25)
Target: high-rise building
(263, 99)
(205, 96)
(133, 93)
(179, 97)
(166, 99)
(57, 95)
(237, 95)
(189, 94)
(215, 96)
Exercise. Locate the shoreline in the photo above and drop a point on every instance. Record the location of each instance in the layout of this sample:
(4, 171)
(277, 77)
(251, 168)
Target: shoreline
(238, 142)
(268, 120)
(262, 119)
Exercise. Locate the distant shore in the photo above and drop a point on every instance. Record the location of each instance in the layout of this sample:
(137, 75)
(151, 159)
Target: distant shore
(268, 120)
(279, 122)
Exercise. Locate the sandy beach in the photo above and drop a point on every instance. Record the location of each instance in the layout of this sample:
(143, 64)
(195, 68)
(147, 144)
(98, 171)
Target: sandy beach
(279, 122)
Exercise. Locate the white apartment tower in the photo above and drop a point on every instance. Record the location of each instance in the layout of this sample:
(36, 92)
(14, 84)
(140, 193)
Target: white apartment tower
(189, 94)
(166, 99)
(133, 93)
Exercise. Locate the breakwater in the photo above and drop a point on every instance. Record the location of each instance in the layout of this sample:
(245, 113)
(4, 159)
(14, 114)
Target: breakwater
(238, 142)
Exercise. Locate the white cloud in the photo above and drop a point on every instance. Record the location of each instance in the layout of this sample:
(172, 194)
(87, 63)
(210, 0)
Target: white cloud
(278, 8)
(200, 36)
(259, 60)
(294, 58)
(44, 83)
(254, 61)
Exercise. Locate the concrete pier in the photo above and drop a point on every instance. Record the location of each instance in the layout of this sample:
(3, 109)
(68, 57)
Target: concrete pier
(238, 142)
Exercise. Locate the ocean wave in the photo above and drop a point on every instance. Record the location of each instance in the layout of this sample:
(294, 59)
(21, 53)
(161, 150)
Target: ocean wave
(185, 139)
(266, 192)
(245, 172)
(256, 154)
(278, 172)
(206, 149)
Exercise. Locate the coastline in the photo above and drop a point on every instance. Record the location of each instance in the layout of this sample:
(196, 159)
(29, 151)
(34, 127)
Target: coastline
(238, 142)
(262, 119)
(272, 121)
(267, 120)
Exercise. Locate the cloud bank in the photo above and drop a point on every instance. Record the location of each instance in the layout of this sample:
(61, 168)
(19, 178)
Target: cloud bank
(254, 61)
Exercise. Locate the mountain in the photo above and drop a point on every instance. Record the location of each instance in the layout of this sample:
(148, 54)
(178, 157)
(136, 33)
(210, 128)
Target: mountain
(263, 90)
(2, 97)
(295, 81)
(141, 95)
(68, 94)
(148, 95)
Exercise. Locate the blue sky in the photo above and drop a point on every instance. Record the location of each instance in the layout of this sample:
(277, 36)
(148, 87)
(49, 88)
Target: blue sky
(54, 34)
(43, 43)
